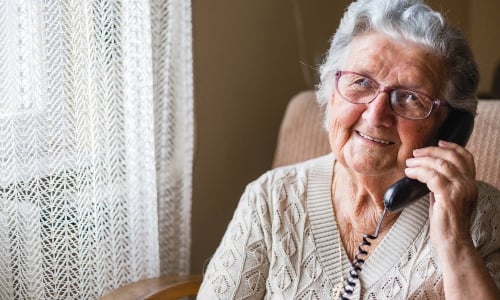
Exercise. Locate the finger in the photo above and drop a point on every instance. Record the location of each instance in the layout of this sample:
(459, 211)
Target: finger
(444, 145)
(435, 181)
(442, 166)
(455, 154)
(446, 187)
(460, 150)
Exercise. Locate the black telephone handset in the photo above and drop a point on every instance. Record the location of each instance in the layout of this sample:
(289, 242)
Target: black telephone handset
(457, 129)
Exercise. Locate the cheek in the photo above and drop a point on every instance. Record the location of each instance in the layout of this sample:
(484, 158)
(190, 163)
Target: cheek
(415, 138)
(336, 135)
(343, 113)
(343, 116)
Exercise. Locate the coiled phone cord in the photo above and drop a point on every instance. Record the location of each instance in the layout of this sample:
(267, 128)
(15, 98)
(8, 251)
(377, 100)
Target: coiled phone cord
(359, 260)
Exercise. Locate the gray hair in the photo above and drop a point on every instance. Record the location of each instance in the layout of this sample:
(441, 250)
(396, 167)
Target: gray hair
(409, 20)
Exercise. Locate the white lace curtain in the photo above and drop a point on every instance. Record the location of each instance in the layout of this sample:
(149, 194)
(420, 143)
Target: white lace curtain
(95, 144)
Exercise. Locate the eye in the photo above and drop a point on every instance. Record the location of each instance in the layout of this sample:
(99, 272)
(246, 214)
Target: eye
(409, 97)
(413, 100)
(361, 82)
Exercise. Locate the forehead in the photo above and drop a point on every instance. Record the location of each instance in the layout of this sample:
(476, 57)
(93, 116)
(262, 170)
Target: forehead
(395, 62)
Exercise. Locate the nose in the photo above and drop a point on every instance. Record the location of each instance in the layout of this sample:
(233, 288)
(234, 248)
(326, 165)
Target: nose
(378, 112)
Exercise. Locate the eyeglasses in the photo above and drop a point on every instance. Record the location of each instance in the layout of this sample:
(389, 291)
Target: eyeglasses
(361, 89)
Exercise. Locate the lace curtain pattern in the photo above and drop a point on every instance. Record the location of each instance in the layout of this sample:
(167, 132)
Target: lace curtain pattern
(95, 144)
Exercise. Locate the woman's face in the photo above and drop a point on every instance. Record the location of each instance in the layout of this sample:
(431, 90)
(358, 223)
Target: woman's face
(370, 139)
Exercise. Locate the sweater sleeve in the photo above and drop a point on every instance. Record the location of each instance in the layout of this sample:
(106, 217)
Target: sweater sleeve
(485, 229)
(239, 267)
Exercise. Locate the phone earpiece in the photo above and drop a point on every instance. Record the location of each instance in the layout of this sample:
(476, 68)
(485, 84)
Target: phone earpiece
(403, 193)
(457, 127)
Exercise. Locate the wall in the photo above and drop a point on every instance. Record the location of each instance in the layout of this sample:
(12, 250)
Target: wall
(484, 36)
(247, 64)
(479, 20)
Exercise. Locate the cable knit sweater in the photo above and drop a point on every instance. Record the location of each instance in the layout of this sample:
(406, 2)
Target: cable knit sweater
(282, 243)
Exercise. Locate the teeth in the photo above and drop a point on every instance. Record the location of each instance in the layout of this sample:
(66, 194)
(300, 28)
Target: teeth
(374, 139)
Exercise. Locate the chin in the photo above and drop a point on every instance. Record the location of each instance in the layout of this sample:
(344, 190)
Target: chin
(372, 167)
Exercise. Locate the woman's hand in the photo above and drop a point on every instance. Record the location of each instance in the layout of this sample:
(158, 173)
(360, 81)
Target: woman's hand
(449, 172)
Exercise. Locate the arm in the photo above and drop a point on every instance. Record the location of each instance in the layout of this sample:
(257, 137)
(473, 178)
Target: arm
(449, 172)
(465, 274)
(240, 264)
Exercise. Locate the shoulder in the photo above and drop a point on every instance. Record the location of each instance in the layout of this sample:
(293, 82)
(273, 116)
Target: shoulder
(282, 188)
(488, 199)
(294, 177)
(486, 217)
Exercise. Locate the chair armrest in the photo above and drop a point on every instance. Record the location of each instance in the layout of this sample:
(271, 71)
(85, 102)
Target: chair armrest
(164, 287)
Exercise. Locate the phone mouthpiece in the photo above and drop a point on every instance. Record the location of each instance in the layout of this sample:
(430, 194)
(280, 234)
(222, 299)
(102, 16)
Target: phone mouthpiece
(403, 193)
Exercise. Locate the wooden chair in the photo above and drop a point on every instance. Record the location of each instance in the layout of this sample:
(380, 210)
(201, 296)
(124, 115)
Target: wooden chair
(161, 288)
(301, 137)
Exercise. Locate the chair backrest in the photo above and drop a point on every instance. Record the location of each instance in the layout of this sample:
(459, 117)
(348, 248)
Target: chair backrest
(302, 136)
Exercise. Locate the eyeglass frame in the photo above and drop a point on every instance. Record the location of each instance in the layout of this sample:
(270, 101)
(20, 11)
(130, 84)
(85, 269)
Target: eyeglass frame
(435, 103)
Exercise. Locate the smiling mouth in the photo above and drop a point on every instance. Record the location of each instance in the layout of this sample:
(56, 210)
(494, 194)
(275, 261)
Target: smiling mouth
(374, 139)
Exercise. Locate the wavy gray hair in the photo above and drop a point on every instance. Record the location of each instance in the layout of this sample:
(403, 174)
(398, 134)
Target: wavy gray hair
(409, 20)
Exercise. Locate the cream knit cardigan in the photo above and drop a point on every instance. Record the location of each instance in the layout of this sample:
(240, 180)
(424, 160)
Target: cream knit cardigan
(282, 243)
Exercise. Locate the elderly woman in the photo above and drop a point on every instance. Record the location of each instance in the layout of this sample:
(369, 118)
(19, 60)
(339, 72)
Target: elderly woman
(395, 73)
